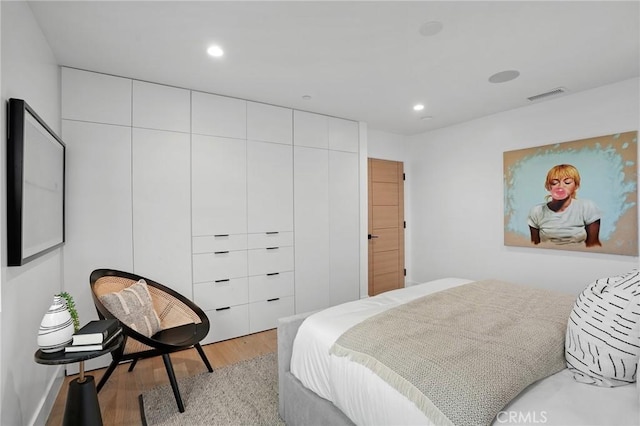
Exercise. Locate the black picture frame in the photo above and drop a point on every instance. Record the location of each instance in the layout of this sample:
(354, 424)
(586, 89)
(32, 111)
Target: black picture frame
(35, 185)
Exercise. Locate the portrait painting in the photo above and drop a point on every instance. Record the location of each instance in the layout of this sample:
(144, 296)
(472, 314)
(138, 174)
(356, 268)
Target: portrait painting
(579, 195)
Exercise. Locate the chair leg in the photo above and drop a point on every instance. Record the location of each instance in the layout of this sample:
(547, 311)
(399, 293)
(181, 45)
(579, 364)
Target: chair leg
(174, 383)
(133, 365)
(107, 374)
(204, 357)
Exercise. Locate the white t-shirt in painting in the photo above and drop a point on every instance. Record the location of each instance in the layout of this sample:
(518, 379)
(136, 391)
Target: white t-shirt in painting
(566, 227)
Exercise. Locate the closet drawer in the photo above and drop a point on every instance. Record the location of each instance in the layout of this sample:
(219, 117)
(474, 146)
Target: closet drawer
(264, 315)
(221, 293)
(270, 239)
(265, 287)
(227, 323)
(269, 260)
(214, 243)
(219, 266)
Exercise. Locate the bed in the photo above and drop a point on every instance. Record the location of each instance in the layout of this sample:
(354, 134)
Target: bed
(316, 386)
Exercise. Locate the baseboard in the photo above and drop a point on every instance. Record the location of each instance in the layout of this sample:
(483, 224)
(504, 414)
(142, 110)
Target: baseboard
(48, 399)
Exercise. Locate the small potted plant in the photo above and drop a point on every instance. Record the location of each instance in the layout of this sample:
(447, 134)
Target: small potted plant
(72, 309)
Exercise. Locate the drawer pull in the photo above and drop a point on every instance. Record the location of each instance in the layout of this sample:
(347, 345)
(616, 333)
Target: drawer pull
(272, 232)
(221, 252)
(220, 235)
(270, 274)
(273, 300)
(226, 280)
(273, 248)
(223, 309)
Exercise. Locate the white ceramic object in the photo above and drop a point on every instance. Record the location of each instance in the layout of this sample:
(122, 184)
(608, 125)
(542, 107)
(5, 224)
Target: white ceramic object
(56, 327)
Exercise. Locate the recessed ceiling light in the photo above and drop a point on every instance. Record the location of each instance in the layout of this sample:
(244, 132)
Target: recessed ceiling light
(504, 76)
(426, 118)
(418, 107)
(306, 97)
(215, 51)
(430, 28)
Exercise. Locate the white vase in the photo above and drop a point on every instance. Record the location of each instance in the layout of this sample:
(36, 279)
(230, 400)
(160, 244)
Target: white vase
(56, 327)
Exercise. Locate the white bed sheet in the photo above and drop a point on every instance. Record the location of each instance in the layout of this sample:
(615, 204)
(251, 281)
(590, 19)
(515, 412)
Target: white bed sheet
(368, 400)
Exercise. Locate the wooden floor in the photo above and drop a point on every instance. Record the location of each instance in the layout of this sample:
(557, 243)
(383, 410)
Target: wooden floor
(119, 396)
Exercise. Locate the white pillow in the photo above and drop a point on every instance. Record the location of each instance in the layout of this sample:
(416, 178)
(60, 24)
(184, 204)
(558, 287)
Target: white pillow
(133, 306)
(602, 345)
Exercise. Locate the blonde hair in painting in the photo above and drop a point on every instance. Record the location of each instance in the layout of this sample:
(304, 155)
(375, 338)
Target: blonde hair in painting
(563, 171)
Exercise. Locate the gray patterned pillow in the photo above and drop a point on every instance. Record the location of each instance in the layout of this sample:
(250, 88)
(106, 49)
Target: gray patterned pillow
(133, 306)
(602, 345)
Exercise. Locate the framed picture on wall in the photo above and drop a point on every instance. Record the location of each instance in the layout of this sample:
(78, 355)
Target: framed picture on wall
(35, 185)
(579, 195)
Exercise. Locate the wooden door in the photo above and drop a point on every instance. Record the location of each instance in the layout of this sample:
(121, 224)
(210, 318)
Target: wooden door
(386, 225)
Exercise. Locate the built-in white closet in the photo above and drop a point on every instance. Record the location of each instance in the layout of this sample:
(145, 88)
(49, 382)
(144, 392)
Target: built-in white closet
(326, 210)
(251, 210)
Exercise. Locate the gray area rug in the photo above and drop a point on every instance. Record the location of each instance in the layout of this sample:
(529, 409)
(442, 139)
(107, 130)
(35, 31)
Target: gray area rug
(245, 393)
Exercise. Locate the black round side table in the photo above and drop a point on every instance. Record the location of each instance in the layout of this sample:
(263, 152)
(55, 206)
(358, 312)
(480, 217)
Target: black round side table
(82, 407)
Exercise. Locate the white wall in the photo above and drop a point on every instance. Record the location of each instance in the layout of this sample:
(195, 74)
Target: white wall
(385, 145)
(29, 72)
(456, 188)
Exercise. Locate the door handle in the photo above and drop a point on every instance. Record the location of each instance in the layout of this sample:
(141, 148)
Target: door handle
(372, 236)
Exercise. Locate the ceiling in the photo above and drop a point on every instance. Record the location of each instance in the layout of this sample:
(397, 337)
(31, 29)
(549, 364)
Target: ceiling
(365, 61)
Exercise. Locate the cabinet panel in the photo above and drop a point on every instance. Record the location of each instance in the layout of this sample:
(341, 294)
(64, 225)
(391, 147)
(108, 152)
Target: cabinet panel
(265, 287)
(98, 209)
(219, 182)
(269, 123)
(311, 130)
(270, 187)
(270, 260)
(219, 266)
(161, 107)
(162, 208)
(213, 243)
(216, 115)
(343, 135)
(344, 217)
(227, 323)
(270, 239)
(98, 98)
(221, 293)
(264, 315)
(311, 192)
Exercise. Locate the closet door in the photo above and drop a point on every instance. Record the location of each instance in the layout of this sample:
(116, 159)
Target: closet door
(215, 115)
(96, 98)
(311, 210)
(343, 135)
(269, 123)
(162, 208)
(344, 217)
(219, 185)
(310, 130)
(270, 187)
(98, 210)
(161, 107)
(98, 205)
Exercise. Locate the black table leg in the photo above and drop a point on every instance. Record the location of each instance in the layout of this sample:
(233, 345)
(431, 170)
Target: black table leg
(82, 408)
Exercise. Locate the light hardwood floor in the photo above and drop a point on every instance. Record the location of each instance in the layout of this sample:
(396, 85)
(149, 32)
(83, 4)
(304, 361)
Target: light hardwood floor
(119, 397)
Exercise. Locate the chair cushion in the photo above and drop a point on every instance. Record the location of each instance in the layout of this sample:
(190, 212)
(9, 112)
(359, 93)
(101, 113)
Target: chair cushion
(603, 333)
(133, 307)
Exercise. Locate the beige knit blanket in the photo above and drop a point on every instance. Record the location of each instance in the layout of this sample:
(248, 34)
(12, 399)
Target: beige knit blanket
(462, 354)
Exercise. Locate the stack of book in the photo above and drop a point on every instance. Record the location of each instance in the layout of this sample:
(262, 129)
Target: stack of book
(95, 336)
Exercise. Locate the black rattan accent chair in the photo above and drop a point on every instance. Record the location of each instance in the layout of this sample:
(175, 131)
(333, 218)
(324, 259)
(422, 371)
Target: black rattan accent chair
(183, 325)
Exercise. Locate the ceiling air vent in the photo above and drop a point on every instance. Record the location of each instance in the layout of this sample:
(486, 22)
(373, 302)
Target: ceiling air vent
(552, 92)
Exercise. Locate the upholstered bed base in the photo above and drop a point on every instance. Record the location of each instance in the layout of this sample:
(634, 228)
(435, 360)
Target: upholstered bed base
(297, 404)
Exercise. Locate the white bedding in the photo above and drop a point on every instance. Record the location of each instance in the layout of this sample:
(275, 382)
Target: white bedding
(368, 400)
